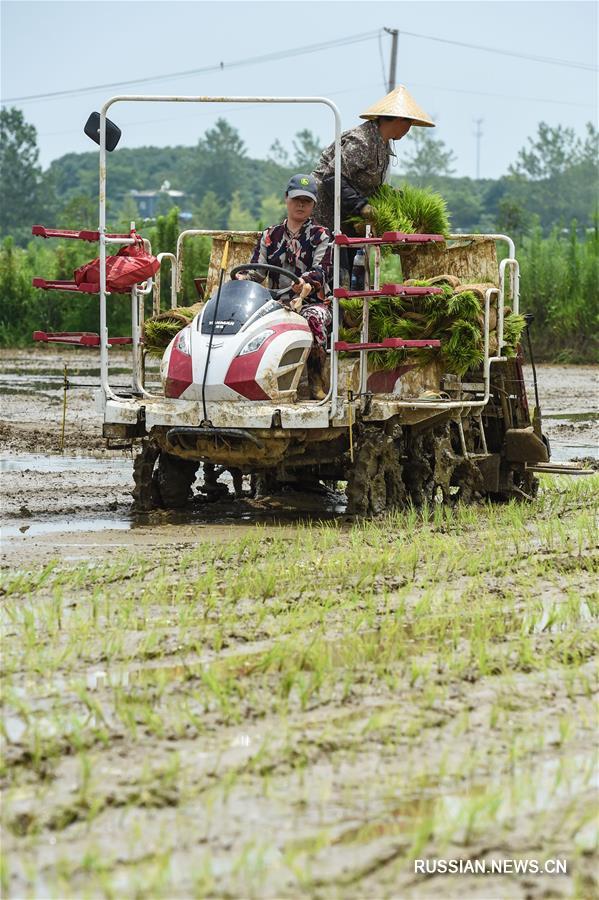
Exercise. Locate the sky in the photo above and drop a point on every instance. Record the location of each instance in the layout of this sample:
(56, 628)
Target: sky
(532, 61)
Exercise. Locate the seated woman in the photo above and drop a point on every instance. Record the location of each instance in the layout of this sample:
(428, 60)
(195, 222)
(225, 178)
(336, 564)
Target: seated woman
(299, 244)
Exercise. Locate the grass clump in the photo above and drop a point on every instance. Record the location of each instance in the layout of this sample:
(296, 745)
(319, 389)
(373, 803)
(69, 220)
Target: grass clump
(513, 326)
(159, 331)
(456, 318)
(409, 209)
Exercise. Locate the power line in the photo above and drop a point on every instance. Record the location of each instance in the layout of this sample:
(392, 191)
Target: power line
(298, 51)
(221, 66)
(246, 108)
(544, 59)
(451, 90)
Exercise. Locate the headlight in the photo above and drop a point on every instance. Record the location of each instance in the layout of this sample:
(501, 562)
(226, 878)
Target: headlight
(256, 342)
(183, 342)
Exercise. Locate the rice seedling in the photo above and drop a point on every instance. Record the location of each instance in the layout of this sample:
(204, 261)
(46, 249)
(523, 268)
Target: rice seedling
(417, 664)
(158, 331)
(409, 209)
(453, 317)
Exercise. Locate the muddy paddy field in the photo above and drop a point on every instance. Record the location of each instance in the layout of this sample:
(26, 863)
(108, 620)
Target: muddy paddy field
(273, 700)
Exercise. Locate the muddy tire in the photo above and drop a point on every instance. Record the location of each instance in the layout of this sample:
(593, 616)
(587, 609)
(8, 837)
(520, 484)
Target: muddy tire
(436, 471)
(374, 481)
(161, 481)
(173, 480)
(145, 494)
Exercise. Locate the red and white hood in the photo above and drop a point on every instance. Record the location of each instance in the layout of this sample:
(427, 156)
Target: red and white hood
(262, 361)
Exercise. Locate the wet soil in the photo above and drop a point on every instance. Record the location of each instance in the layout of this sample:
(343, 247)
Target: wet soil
(252, 702)
(55, 501)
(273, 717)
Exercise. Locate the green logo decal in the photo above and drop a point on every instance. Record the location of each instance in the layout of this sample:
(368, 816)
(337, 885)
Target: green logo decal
(304, 181)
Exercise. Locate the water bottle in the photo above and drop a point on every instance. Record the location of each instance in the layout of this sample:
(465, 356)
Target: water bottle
(358, 272)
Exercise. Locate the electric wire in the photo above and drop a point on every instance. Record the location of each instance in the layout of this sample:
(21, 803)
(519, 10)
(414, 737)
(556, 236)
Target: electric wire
(299, 51)
(551, 60)
(221, 66)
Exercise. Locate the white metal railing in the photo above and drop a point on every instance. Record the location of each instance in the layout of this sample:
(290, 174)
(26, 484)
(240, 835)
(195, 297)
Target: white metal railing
(509, 264)
(174, 282)
(331, 397)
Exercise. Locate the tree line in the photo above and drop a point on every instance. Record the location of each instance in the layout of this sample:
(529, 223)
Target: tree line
(552, 181)
(547, 201)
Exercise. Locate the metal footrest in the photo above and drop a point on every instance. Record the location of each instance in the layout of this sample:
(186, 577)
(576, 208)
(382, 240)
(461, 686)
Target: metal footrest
(563, 468)
(72, 286)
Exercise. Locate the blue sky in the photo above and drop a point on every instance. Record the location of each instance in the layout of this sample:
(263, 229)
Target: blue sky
(62, 46)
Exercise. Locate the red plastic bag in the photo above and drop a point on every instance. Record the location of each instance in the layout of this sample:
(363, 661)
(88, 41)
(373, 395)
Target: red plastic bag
(131, 265)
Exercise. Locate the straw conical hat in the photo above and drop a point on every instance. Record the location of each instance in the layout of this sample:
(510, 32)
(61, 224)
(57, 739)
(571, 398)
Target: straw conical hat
(399, 103)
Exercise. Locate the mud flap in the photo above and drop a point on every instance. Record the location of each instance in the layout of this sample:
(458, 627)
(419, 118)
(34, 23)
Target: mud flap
(489, 467)
(524, 446)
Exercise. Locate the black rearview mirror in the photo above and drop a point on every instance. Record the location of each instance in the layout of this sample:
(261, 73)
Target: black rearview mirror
(92, 130)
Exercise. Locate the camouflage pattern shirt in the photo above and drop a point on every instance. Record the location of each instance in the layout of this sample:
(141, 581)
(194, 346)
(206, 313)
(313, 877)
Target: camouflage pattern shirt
(364, 162)
(307, 253)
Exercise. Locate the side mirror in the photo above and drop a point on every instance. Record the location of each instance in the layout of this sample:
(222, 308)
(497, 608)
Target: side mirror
(92, 130)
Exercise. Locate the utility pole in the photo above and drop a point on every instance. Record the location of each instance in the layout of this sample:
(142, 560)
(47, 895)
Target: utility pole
(478, 135)
(394, 32)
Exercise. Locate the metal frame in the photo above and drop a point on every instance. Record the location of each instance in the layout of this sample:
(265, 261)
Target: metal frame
(331, 397)
(510, 263)
(174, 282)
(337, 406)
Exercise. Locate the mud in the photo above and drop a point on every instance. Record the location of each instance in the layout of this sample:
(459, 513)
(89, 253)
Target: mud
(221, 704)
(86, 489)
(189, 748)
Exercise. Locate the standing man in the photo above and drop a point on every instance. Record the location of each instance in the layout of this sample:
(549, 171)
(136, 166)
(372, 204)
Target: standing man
(303, 247)
(365, 153)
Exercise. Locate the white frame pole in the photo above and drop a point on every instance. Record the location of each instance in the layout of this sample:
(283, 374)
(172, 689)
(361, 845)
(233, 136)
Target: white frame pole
(158, 98)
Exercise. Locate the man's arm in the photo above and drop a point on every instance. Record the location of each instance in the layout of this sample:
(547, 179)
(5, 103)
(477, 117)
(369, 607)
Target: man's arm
(352, 202)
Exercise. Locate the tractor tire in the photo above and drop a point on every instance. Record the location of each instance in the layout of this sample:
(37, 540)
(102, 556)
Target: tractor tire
(144, 493)
(375, 479)
(435, 469)
(173, 479)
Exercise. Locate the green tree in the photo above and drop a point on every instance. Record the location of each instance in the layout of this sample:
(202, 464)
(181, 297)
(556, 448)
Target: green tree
(550, 153)
(556, 177)
(221, 158)
(427, 156)
(165, 234)
(278, 154)
(307, 149)
(16, 295)
(240, 219)
(512, 218)
(21, 181)
(272, 210)
(211, 212)
(79, 212)
(129, 212)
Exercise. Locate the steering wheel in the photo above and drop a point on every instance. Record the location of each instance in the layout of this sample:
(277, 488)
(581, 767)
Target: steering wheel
(276, 294)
